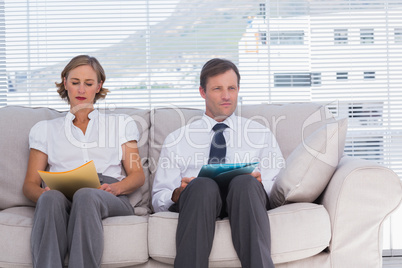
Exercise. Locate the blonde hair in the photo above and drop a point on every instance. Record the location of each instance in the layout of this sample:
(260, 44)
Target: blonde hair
(80, 61)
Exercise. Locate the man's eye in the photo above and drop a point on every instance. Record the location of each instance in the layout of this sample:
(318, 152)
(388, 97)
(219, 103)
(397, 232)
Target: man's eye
(75, 83)
(90, 85)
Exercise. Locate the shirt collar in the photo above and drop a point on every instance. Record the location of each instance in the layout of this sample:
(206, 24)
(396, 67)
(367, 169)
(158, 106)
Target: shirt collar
(94, 114)
(230, 121)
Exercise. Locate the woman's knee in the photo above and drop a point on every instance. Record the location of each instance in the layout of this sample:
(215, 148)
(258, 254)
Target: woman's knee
(52, 199)
(86, 195)
(52, 196)
(87, 201)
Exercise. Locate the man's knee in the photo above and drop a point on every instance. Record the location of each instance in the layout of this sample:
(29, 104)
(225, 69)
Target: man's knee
(247, 190)
(245, 184)
(203, 187)
(201, 191)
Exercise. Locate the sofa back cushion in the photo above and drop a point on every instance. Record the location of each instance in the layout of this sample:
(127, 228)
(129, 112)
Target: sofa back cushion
(15, 124)
(163, 122)
(288, 122)
(140, 198)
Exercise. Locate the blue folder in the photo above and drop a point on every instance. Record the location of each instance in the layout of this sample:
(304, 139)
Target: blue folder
(224, 173)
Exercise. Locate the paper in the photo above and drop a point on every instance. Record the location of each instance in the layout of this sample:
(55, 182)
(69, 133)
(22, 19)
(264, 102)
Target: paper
(224, 173)
(69, 182)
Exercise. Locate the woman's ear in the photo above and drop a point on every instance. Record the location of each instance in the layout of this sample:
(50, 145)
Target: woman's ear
(99, 86)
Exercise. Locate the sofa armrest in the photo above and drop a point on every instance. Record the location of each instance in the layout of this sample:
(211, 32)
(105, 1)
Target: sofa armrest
(359, 197)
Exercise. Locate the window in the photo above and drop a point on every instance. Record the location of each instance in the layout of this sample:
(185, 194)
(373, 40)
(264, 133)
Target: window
(342, 76)
(315, 79)
(263, 10)
(340, 36)
(366, 144)
(368, 148)
(263, 37)
(369, 75)
(366, 114)
(366, 36)
(297, 79)
(153, 51)
(398, 35)
(287, 38)
(292, 80)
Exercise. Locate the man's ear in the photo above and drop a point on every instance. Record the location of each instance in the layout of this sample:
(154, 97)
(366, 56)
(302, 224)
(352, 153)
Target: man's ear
(202, 92)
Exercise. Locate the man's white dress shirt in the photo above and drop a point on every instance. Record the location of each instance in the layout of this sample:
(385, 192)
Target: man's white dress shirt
(67, 147)
(186, 150)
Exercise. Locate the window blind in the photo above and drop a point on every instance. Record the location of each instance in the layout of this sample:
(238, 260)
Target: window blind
(345, 54)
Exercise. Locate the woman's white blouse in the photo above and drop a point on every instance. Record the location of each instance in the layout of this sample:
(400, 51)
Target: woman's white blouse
(67, 147)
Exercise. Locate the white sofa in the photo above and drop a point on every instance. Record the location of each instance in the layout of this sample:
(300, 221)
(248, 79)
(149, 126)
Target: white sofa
(341, 228)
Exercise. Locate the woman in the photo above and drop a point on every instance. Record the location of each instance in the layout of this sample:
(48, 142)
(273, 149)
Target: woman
(65, 143)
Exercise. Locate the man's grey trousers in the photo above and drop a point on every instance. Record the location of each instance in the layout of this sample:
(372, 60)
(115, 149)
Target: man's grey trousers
(246, 205)
(62, 226)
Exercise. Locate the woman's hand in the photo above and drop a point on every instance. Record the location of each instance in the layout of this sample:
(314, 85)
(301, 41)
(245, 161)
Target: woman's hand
(133, 167)
(110, 188)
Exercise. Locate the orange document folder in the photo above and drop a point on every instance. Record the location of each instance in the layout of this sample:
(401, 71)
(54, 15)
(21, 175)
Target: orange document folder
(69, 182)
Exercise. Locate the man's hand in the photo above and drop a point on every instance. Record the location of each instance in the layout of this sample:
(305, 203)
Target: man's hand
(176, 193)
(257, 175)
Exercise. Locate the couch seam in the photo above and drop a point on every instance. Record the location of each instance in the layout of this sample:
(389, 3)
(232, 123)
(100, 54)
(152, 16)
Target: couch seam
(273, 214)
(292, 212)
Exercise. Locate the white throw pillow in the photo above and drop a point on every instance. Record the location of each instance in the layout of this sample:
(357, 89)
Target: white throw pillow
(310, 166)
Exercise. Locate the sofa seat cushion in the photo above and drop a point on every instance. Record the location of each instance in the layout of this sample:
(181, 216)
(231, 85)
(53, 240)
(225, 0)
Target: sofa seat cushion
(298, 231)
(125, 239)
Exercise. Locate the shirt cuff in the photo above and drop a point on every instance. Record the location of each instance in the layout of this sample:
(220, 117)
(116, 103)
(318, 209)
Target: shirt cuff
(164, 202)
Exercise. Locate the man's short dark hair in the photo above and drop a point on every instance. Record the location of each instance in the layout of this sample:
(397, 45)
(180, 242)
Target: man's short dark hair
(217, 66)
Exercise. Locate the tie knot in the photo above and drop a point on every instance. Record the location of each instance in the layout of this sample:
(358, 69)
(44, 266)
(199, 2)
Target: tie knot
(219, 127)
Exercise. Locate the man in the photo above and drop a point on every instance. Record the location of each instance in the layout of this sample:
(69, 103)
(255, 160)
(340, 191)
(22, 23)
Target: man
(199, 201)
